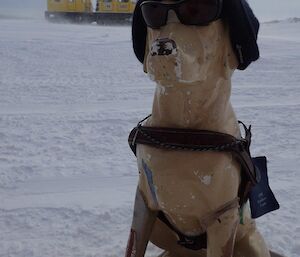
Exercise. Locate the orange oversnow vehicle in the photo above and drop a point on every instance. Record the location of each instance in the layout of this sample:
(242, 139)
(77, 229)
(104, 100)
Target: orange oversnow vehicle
(82, 11)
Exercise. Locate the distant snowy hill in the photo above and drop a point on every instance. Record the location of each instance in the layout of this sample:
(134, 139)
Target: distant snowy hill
(289, 20)
(293, 20)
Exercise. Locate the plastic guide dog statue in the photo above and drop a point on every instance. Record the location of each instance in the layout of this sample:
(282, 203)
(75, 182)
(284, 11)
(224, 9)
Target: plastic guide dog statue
(186, 197)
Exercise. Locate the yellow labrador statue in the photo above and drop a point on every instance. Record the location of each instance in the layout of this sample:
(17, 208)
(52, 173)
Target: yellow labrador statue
(188, 201)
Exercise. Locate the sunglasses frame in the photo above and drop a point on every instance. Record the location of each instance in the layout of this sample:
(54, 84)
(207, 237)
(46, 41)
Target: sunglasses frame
(175, 6)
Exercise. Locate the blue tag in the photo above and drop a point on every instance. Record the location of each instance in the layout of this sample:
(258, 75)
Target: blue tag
(262, 199)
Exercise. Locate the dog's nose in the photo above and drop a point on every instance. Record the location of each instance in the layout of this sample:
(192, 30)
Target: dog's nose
(163, 46)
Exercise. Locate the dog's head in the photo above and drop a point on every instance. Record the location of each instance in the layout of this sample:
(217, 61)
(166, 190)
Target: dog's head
(185, 54)
(189, 46)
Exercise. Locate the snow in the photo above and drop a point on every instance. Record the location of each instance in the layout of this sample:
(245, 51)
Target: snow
(69, 95)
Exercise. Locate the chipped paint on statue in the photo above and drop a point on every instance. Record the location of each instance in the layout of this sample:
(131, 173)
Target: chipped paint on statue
(206, 180)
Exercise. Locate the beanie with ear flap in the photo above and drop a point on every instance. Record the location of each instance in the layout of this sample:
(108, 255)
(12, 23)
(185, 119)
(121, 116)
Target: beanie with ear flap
(243, 28)
(139, 32)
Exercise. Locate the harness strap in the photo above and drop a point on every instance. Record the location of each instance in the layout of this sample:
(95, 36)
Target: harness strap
(184, 139)
(210, 218)
(200, 241)
(181, 139)
(191, 242)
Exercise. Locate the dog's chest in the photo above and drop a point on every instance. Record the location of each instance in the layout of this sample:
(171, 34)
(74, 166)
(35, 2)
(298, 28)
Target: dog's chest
(186, 185)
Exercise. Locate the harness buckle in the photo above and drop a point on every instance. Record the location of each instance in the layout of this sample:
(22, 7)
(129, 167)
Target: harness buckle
(248, 135)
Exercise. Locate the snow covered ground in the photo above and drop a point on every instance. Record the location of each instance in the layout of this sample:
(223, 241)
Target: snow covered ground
(69, 95)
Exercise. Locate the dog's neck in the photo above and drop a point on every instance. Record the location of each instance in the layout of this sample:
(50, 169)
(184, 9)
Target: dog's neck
(194, 85)
(205, 106)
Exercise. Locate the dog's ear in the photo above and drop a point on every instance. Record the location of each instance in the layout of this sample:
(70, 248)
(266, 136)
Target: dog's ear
(139, 32)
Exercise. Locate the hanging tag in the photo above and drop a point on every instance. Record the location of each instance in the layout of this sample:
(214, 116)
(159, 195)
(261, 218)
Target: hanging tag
(261, 197)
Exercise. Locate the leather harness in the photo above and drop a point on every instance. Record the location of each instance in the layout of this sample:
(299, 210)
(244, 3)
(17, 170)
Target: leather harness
(180, 139)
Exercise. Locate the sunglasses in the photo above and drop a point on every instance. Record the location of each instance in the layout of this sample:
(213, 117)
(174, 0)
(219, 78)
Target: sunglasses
(189, 12)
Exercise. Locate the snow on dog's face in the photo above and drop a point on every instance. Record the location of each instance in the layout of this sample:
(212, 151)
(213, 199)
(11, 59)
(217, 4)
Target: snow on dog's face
(178, 54)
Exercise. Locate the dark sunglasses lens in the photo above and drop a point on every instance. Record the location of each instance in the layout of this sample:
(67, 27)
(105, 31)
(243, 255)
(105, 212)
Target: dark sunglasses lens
(154, 14)
(197, 12)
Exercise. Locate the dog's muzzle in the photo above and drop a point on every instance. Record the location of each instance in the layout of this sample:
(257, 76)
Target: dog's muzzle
(163, 46)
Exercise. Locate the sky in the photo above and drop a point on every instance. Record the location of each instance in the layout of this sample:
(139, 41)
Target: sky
(265, 10)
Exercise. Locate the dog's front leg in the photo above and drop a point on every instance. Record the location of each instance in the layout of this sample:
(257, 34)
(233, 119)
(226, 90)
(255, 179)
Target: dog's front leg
(141, 228)
(221, 235)
(252, 245)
